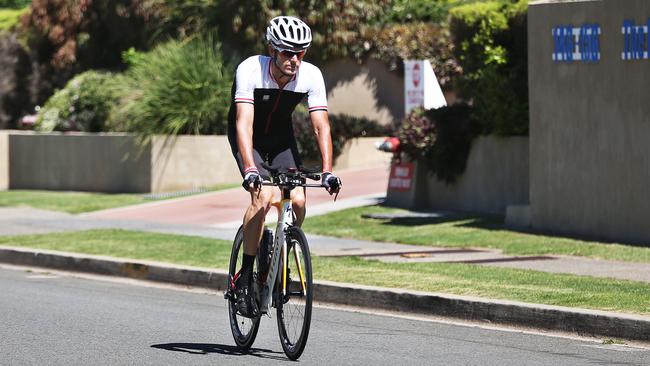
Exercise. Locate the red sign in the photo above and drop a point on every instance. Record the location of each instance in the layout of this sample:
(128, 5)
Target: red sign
(416, 75)
(401, 176)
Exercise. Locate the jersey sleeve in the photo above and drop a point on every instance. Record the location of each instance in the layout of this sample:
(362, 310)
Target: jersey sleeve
(245, 82)
(317, 97)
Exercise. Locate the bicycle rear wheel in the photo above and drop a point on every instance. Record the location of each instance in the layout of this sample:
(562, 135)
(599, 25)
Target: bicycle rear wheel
(294, 307)
(244, 330)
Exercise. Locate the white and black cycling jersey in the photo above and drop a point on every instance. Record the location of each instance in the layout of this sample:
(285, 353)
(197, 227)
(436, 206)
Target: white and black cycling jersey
(254, 83)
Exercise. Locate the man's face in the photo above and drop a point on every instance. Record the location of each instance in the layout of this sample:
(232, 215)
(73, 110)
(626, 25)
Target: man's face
(288, 61)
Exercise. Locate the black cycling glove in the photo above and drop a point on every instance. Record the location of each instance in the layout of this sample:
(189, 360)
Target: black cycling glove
(253, 178)
(331, 182)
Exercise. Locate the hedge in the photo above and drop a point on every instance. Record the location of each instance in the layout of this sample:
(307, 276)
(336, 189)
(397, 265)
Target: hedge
(491, 48)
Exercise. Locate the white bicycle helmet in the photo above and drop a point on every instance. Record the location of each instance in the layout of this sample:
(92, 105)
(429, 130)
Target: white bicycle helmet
(288, 33)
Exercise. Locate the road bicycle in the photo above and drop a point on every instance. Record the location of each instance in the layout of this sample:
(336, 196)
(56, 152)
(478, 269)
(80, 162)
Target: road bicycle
(282, 274)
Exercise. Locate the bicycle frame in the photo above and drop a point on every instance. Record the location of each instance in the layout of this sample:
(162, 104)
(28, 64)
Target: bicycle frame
(279, 248)
(285, 221)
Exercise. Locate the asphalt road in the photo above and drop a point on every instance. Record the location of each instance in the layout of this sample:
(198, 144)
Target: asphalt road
(58, 319)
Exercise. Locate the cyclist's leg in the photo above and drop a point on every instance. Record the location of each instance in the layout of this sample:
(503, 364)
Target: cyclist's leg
(253, 224)
(299, 200)
(254, 219)
(289, 158)
(256, 211)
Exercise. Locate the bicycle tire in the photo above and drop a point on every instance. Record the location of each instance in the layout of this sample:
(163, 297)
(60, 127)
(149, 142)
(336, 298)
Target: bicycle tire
(244, 330)
(294, 310)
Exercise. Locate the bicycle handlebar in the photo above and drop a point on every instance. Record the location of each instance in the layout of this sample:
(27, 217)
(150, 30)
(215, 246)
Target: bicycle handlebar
(300, 173)
(292, 178)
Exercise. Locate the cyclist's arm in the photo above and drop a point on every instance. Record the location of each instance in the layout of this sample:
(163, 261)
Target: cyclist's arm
(244, 123)
(320, 122)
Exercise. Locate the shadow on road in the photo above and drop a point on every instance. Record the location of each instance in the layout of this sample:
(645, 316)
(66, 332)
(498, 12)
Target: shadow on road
(206, 348)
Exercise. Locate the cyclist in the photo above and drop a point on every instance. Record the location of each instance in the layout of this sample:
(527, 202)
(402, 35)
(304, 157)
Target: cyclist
(266, 90)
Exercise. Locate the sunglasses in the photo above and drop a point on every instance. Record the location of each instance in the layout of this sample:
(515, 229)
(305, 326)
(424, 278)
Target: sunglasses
(290, 54)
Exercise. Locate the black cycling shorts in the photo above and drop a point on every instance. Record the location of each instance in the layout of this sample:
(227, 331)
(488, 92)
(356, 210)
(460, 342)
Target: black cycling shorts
(284, 158)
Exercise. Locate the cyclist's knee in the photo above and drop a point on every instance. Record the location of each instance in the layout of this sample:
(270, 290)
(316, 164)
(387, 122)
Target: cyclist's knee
(261, 200)
(298, 198)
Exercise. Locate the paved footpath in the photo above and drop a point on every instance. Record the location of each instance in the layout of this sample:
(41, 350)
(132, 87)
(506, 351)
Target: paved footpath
(227, 207)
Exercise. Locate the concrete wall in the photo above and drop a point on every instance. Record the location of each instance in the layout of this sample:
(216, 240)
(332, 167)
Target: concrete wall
(361, 152)
(368, 90)
(191, 162)
(115, 162)
(80, 162)
(589, 126)
(4, 160)
(496, 176)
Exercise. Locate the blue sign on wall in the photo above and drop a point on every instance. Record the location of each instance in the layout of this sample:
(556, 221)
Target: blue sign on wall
(636, 41)
(576, 43)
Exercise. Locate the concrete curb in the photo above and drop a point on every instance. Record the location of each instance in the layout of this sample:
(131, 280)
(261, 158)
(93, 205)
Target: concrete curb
(583, 322)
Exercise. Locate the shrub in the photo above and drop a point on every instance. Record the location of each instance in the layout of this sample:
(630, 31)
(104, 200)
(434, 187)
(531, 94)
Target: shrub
(336, 24)
(417, 40)
(83, 34)
(417, 135)
(440, 139)
(83, 105)
(14, 93)
(403, 11)
(181, 87)
(343, 128)
(14, 4)
(10, 18)
(491, 47)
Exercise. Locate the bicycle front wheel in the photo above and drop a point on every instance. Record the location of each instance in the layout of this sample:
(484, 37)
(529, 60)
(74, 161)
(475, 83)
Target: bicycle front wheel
(244, 330)
(294, 303)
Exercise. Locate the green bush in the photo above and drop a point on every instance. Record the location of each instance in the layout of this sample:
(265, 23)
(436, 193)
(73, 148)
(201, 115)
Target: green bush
(440, 139)
(14, 4)
(10, 18)
(75, 35)
(435, 11)
(343, 128)
(491, 47)
(83, 105)
(394, 43)
(14, 93)
(181, 87)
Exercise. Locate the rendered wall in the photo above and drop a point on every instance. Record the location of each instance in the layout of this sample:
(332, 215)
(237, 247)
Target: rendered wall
(80, 162)
(115, 163)
(496, 176)
(369, 90)
(191, 162)
(4, 160)
(590, 124)
(362, 153)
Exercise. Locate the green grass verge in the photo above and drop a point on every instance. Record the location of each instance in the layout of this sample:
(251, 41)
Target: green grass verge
(460, 279)
(462, 231)
(75, 202)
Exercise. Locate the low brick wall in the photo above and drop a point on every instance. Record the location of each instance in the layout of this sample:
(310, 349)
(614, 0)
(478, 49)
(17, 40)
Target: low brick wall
(116, 163)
